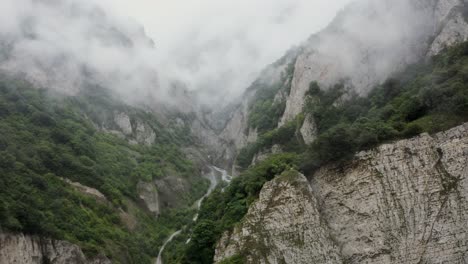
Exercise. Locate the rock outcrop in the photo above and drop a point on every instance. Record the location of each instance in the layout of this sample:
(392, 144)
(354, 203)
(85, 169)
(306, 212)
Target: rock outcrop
(148, 193)
(264, 154)
(371, 40)
(172, 191)
(236, 134)
(452, 18)
(283, 226)
(399, 203)
(365, 44)
(309, 130)
(127, 126)
(88, 191)
(23, 249)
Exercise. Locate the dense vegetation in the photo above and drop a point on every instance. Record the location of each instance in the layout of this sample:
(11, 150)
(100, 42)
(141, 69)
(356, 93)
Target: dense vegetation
(45, 139)
(427, 97)
(284, 136)
(265, 111)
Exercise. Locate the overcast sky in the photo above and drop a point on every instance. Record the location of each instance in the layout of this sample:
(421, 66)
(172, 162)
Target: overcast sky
(222, 44)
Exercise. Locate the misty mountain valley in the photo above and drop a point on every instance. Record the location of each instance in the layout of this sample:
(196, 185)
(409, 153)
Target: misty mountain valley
(180, 132)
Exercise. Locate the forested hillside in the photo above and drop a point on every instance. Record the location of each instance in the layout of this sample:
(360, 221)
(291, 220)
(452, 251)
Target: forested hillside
(49, 141)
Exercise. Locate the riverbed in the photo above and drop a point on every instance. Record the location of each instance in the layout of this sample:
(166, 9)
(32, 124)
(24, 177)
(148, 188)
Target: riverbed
(214, 181)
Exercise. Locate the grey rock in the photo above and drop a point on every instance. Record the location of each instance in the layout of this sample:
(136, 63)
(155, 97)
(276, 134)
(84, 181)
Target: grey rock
(454, 26)
(23, 249)
(144, 134)
(403, 202)
(171, 190)
(365, 44)
(400, 203)
(283, 226)
(122, 120)
(237, 133)
(148, 193)
(309, 130)
(86, 190)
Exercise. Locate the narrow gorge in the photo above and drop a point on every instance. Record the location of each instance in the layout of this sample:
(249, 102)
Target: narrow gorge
(350, 148)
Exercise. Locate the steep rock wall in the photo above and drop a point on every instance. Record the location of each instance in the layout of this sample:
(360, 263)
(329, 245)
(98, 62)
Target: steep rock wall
(237, 133)
(148, 194)
(18, 248)
(399, 203)
(370, 40)
(363, 46)
(283, 226)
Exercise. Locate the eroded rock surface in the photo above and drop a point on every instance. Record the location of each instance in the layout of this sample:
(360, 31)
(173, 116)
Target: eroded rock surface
(401, 203)
(283, 226)
(365, 44)
(404, 202)
(148, 193)
(309, 130)
(22, 249)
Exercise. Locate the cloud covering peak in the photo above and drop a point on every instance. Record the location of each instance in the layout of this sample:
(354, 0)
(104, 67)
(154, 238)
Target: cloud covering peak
(213, 47)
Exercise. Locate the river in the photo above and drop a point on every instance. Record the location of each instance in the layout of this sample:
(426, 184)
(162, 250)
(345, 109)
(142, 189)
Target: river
(214, 180)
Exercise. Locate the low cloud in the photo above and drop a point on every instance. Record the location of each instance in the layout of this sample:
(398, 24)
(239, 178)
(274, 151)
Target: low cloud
(213, 47)
(219, 47)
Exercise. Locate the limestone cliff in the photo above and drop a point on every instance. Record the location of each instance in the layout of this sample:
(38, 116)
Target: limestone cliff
(148, 194)
(236, 133)
(283, 226)
(124, 125)
(371, 40)
(18, 248)
(403, 202)
(365, 44)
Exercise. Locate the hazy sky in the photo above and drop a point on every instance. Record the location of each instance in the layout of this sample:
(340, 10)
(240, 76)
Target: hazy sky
(221, 45)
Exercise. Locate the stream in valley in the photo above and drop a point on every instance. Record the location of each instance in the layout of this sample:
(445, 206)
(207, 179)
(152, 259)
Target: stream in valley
(214, 181)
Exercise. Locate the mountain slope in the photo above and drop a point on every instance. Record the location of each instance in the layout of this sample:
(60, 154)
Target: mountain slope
(93, 171)
(399, 203)
(426, 97)
(368, 42)
(80, 166)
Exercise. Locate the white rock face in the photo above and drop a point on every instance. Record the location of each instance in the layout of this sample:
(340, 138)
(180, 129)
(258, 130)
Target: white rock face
(309, 130)
(86, 190)
(235, 130)
(237, 134)
(23, 249)
(454, 30)
(145, 134)
(140, 133)
(370, 40)
(148, 193)
(400, 203)
(283, 226)
(366, 43)
(122, 120)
